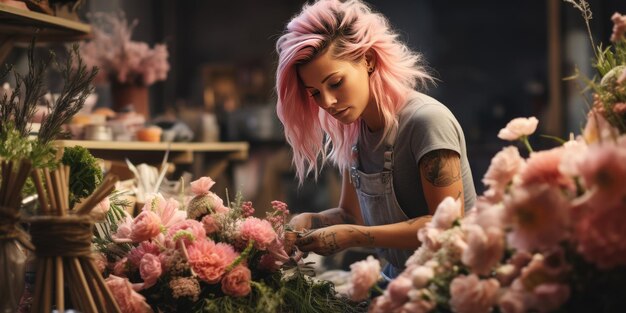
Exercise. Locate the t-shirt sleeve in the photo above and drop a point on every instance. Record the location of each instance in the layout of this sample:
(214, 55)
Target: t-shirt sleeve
(433, 127)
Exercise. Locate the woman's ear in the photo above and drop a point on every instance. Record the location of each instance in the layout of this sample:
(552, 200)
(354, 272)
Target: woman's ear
(370, 60)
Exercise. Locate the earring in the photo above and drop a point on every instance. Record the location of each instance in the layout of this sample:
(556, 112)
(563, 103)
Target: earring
(370, 69)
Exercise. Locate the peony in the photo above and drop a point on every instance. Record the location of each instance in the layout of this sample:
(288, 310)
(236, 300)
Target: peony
(150, 270)
(472, 295)
(538, 217)
(260, 231)
(209, 260)
(448, 211)
(145, 226)
(236, 283)
(364, 275)
(127, 299)
(518, 127)
(202, 185)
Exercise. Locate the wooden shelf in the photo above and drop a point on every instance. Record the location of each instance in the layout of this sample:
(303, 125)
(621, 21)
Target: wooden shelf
(19, 26)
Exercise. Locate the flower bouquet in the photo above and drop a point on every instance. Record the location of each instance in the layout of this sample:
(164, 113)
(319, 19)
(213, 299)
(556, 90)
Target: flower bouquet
(200, 255)
(548, 235)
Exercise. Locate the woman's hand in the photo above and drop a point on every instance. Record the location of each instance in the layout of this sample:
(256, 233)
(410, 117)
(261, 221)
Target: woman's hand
(301, 222)
(332, 239)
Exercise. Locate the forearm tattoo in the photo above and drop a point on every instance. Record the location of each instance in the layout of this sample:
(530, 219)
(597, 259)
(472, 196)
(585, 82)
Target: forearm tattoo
(441, 168)
(367, 238)
(319, 222)
(334, 217)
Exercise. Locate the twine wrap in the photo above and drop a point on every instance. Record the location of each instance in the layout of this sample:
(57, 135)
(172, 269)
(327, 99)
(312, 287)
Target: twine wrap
(9, 230)
(67, 236)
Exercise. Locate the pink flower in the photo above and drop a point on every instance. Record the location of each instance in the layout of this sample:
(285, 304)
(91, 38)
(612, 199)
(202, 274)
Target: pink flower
(145, 226)
(472, 295)
(128, 300)
(448, 211)
(598, 129)
(167, 210)
(217, 204)
(422, 301)
(202, 185)
(551, 296)
(187, 230)
(383, 304)
(619, 27)
(100, 260)
(398, 289)
(364, 275)
(421, 276)
(150, 270)
(484, 248)
(603, 171)
(513, 301)
(429, 237)
(538, 217)
(236, 283)
(260, 231)
(504, 166)
(124, 229)
(210, 225)
(550, 268)
(600, 235)
(136, 254)
(209, 260)
(120, 268)
(518, 127)
(543, 167)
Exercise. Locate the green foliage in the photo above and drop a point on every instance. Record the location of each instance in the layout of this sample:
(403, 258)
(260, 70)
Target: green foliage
(85, 173)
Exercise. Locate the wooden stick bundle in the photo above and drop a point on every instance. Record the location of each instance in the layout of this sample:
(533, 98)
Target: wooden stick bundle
(67, 268)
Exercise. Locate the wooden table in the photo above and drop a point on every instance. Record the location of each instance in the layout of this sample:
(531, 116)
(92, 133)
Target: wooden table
(204, 158)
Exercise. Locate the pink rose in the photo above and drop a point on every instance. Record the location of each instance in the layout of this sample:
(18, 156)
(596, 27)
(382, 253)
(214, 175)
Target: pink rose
(127, 299)
(469, 294)
(518, 127)
(236, 283)
(145, 226)
(364, 275)
(202, 185)
(136, 254)
(150, 270)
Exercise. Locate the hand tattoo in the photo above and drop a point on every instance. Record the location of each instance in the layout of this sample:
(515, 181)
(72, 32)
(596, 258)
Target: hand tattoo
(441, 167)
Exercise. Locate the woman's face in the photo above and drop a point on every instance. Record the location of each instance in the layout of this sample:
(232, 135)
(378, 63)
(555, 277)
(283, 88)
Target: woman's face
(339, 87)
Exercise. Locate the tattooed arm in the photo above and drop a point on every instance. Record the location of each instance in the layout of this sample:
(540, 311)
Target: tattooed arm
(440, 172)
(348, 211)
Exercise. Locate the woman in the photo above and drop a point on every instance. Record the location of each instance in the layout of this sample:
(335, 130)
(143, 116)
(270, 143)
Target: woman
(346, 93)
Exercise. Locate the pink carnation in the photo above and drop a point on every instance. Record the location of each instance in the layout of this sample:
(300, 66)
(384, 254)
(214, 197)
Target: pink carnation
(448, 211)
(192, 227)
(145, 226)
(603, 170)
(543, 167)
(600, 235)
(136, 254)
(236, 283)
(472, 295)
(504, 166)
(518, 127)
(260, 231)
(209, 260)
(127, 299)
(364, 275)
(150, 270)
(485, 248)
(538, 217)
(202, 185)
(210, 225)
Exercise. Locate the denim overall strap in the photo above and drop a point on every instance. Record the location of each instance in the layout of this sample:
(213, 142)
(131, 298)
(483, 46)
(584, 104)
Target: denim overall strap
(379, 205)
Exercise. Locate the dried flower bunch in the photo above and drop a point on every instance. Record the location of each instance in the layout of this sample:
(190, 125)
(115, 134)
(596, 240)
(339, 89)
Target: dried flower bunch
(121, 59)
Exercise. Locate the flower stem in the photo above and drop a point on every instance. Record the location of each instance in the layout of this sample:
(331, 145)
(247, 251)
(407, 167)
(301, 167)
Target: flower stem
(244, 255)
(524, 139)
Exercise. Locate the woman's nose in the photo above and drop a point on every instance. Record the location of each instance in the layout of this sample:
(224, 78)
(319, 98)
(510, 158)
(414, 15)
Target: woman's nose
(328, 100)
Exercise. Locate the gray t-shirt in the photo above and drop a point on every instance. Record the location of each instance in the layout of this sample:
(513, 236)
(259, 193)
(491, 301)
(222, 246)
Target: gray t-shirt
(424, 125)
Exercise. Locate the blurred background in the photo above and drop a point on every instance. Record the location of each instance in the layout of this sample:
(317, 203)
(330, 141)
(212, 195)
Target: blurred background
(494, 61)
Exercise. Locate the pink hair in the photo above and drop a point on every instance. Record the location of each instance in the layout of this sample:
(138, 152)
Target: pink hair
(350, 29)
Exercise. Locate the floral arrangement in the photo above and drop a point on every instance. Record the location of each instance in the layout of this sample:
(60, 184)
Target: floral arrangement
(199, 255)
(121, 59)
(547, 236)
